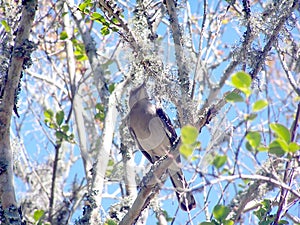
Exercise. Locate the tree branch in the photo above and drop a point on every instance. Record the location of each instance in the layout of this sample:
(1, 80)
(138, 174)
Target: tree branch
(100, 166)
(19, 54)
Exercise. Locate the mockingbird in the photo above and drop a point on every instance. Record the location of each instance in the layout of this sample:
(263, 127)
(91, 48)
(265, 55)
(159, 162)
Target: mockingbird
(153, 132)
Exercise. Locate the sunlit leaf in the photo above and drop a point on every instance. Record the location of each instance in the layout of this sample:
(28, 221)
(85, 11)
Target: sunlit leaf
(283, 144)
(96, 15)
(281, 131)
(254, 139)
(262, 148)
(48, 114)
(259, 105)
(228, 222)
(220, 212)
(63, 35)
(37, 215)
(293, 147)
(242, 81)
(6, 26)
(83, 6)
(81, 57)
(115, 20)
(105, 31)
(186, 150)
(99, 18)
(52, 125)
(189, 134)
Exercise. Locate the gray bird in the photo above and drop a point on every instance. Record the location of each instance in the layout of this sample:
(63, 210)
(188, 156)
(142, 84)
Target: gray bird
(153, 131)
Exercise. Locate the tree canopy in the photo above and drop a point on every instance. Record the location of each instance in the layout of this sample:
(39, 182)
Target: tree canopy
(225, 71)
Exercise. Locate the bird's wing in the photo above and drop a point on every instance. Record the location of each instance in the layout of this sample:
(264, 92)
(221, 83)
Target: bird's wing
(169, 129)
(145, 153)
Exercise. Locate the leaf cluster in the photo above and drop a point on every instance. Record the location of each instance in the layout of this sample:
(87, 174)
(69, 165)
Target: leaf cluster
(56, 123)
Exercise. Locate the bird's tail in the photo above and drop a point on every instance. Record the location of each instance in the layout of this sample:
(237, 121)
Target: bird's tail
(185, 198)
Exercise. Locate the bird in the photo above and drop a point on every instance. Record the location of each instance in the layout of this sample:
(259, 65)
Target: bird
(154, 134)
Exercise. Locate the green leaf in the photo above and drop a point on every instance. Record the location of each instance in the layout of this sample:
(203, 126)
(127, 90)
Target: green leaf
(262, 148)
(189, 134)
(65, 128)
(96, 15)
(254, 139)
(168, 218)
(60, 117)
(99, 18)
(275, 148)
(82, 6)
(266, 203)
(48, 114)
(115, 20)
(60, 135)
(100, 115)
(251, 116)
(70, 138)
(242, 81)
(293, 147)
(219, 161)
(105, 31)
(186, 150)
(111, 88)
(220, 212)
(110, 222)
(259, 105)
(37, 215)
(234, 97)
(207, 223)
(53, 125)
(81, 57)
(6, 26)
(100, 107)
(283, 144)
(228, 222)
(110, 167)
(248, 146)
(63, 35)
(281, 131)
(281, 222)
(115, 29)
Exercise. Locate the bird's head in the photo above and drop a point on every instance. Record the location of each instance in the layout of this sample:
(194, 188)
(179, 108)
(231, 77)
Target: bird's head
(138, 94)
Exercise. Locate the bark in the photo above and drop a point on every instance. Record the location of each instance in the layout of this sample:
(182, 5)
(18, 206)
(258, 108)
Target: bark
(21, 51)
